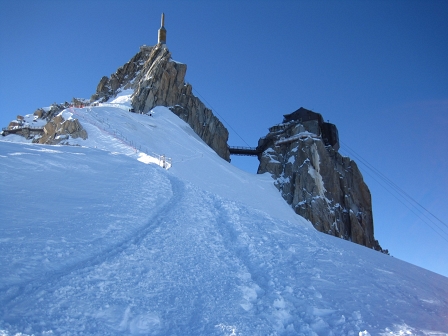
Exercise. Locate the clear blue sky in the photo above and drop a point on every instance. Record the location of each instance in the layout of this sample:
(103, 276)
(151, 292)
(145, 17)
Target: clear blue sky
(377, 69)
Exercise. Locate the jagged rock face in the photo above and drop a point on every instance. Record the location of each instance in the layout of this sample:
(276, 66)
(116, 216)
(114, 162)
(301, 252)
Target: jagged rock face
(123, 78)
(161, 82)
(58, 129)
(320, 184)
(55, 130)
(40, 113)
(157, 80)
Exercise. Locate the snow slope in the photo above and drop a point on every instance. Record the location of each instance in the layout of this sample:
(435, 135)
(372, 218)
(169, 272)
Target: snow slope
(95, 242)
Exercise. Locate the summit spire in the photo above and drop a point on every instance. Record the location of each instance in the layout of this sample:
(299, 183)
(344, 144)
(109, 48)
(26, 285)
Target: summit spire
(162, 31)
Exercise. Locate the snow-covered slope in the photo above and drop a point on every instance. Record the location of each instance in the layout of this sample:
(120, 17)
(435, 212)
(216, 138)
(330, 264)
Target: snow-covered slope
(93, 241)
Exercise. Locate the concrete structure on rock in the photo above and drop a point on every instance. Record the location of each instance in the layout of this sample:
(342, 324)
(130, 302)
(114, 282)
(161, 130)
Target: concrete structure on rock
(162, 31)
(314, 123)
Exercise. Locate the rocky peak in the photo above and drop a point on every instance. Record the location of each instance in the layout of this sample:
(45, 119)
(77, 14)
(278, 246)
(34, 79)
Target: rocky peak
(319, 183)
(123, 78)
(157, 80)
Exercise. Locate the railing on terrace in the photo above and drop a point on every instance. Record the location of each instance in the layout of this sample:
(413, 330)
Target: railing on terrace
(18, 128)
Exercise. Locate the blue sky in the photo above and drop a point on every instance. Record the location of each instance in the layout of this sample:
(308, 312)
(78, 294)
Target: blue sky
(377, 69)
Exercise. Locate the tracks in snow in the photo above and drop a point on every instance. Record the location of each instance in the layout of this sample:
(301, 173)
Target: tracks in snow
(26, 289)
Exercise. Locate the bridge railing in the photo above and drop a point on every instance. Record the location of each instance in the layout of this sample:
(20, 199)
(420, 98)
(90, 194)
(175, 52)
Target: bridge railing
(18, 128)
(244, 148)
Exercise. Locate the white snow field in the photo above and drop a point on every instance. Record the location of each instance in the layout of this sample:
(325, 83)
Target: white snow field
(93, 241)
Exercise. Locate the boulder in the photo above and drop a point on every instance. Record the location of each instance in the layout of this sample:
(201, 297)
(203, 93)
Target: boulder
(39, 113)
(14, 124)
(57, 127)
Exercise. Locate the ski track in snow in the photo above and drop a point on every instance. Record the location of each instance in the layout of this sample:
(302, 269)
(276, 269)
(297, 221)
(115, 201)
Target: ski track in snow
(46, 224)
(231, 268)
(91, 260)
(116, 247)
(49, 296)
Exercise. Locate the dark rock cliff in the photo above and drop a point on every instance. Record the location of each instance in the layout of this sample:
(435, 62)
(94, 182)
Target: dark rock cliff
(319, 183)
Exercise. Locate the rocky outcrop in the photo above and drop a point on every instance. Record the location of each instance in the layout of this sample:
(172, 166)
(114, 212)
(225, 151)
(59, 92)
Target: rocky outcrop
(58, 129)
(55, 109)
(39, 113)
(55, 130)
(157, 80)
(319, 183)
(161, 82)
(123, 78)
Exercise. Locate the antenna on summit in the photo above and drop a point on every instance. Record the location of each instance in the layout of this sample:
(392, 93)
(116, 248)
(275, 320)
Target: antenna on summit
(162, 31)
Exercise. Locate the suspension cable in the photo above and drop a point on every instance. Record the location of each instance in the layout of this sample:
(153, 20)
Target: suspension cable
(415, 207)
(220, 116)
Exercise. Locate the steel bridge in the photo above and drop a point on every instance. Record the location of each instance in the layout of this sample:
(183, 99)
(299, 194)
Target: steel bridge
(247, 151)
(6, 130)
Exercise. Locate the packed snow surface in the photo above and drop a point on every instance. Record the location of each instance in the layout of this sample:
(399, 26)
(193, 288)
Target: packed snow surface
(93, 241)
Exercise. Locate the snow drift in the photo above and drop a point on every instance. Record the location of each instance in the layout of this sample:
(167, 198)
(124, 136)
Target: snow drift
(94, 241)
